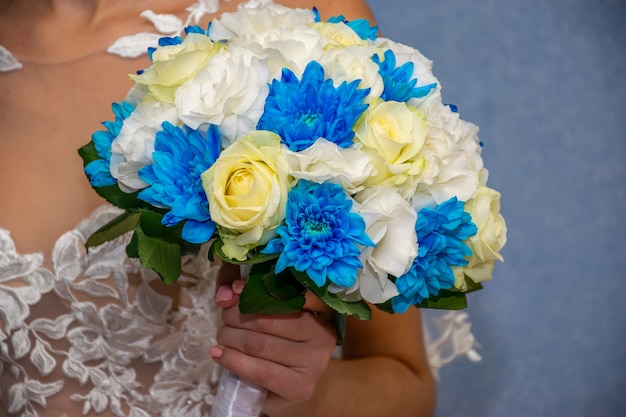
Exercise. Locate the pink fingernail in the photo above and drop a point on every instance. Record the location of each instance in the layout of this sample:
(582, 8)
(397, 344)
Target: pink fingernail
(224, 293)
(216, 352)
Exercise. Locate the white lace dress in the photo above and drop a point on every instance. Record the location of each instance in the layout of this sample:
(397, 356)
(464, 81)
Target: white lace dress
(94, 334)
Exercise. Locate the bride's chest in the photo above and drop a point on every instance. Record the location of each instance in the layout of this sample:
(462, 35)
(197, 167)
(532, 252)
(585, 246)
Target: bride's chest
(46, 114)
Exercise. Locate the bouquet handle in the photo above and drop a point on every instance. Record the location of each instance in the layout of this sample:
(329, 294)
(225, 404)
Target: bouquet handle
(237, 398)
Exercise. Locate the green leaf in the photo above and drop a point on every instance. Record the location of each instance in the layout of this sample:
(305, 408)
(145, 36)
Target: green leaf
(446, 300)
(152, 225)
(117, 197)
(360, 309)
(132, 249)
(471, 285)
(340, 328)
(120, 225)
(255, 299)
(88, 153)
(386, 307)
(189, 248)
(161, 255)
(254, 258)
(281, 286)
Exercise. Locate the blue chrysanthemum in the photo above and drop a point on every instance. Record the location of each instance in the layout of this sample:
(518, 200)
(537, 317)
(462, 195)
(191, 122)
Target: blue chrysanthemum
(321, 236)
(98, 171)
(397, 81)
(360, 26)
(441, 233)
(181, 155)
(301, 111)
(197, 29)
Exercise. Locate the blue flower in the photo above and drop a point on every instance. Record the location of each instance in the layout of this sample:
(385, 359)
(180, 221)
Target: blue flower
(321, 236)
(98, 171)
(164, 41)
(360, 26)
(302, 111)
(441, 233)
(181, 155)
(197, 29)
(397, 81)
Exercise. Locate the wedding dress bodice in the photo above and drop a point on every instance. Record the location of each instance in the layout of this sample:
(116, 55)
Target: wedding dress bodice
(96, 333)
(92, 333)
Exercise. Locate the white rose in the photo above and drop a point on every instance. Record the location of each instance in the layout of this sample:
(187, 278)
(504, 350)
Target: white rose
(172, 65)
(354, 63)
(230, 92)
(393, 134)
(325, 161)
(488, 241)
(338, 35)
(247, 191)
(132, 149)
(390, 223)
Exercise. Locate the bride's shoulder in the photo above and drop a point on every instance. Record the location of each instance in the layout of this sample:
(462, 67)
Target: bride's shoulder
(351, 9)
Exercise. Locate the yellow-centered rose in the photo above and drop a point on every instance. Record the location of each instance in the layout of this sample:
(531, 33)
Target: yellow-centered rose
(172, 65)
(338, 35)
(488, 241)
(247, 192)
(394, 134)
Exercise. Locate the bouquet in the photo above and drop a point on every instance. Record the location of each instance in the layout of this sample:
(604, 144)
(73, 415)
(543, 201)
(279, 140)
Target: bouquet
(317, 152)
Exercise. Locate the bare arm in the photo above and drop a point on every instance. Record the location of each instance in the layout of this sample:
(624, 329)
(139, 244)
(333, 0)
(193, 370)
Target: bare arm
(351, 9)
(384, 372)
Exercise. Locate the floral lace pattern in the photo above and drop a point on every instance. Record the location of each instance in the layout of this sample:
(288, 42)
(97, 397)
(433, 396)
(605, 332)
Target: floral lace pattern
(95, 329)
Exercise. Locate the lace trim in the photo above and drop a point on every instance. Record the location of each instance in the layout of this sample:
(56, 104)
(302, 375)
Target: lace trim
(133, 46)
(448, 336)
(96, 329)
(8, 61)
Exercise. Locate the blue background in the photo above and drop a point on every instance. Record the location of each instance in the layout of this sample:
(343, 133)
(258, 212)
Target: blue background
(546, 82)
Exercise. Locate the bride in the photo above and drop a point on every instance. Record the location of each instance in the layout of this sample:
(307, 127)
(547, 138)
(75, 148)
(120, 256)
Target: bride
(94, 334)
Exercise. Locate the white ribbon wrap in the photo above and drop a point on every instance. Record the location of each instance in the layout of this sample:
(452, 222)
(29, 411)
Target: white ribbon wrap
(237, 398)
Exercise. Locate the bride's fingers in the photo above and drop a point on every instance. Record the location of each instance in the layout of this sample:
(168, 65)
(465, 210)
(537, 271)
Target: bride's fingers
(300, 326)
(227, 295)
(285, 384)
(302, 355)
(227, 274)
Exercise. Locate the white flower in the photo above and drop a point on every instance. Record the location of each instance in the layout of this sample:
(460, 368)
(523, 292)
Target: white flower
(287, 48)
(338, 35)
(172, 65)
(230, 91)
(132, 148)
(251, 22)
(325, 161)
(354, 63)
(488, 241)
(247, 191)
(422, 66)
(390, 223)
(452, 160)
(393, 134)
(284, 35)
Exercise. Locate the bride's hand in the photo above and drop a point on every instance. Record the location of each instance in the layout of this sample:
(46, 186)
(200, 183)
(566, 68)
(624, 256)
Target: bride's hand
(287, 354)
